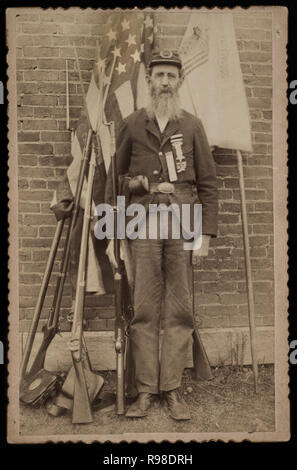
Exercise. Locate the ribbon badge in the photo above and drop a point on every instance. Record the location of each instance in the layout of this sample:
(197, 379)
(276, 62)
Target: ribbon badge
(176, 143)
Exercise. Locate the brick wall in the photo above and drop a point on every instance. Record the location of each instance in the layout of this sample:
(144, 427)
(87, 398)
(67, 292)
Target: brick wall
(44, 40)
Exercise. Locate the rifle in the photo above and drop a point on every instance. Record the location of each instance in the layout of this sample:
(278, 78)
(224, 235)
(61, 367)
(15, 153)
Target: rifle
(81, 400)
(119, 328)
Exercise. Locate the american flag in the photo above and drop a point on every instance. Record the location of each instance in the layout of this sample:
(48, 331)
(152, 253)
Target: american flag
(117, 88)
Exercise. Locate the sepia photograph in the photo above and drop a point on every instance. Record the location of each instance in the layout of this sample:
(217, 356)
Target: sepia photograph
(147, 225)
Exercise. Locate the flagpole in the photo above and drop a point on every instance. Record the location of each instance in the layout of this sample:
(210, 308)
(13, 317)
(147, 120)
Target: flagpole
(248, 269)
(109, 79)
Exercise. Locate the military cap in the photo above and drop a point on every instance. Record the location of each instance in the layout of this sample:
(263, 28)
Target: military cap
(166, 56)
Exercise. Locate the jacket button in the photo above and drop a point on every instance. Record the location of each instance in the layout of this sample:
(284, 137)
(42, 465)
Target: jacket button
(155, 172)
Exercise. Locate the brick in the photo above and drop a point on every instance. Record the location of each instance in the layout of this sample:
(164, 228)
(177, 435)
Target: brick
(55, 161)
(37, 172)
(259, 240)
(263, 228)
(45, 112)
(260, 81)
(51, 64)
(247, 21)
(228, 219)
(27, 160)
(257, 172)
(206, 276)
(91, 18)
(37, 243)
(41, 76)
(258, 252)
(264, 217)
(28, 136)
(266, 46)
(26, 231)
(62, 149)
(248, 45)
(24, 40)
(35, 51)
(41, 28)
(261, 69)
(262, 137)
(39, 100)
(106, 313)
(231, 275)
(219, 287)
(79, 29)
(262, 92)
(46, 124)
(267, 115)
(30, 279)
(98, 325)
(25, 255)
(220, 310)
(254, 56)
(230, 207)
(110, 324)
(26, 64)
(55, 136)
(259, 103)
(29, 207)
(55, 87)
(41, 149)
(38, 184)
(57, 17)
(261, 126)
(250, 33)
(263, 275)
(35, 196)
(43, 41)
(47, 231)
(23, 184)
(27, 88)
(25, 111)
(230, 229)
(264, 206)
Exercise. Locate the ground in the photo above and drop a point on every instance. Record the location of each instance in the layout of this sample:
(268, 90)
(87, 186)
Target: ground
(225, 404)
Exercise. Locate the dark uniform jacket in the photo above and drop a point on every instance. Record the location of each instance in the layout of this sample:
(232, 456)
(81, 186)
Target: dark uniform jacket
(141, 150)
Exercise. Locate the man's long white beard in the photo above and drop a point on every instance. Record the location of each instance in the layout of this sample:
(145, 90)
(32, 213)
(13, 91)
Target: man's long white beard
(164, 105)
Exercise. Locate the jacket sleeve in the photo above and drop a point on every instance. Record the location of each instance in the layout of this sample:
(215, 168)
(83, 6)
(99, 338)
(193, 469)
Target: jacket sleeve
(123, 155)
(206, 181)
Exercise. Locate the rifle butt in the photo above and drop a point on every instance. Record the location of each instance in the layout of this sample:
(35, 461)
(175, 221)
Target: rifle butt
(81, 413)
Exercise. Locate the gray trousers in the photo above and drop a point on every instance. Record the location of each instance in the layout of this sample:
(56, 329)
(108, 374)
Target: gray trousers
(162, 286)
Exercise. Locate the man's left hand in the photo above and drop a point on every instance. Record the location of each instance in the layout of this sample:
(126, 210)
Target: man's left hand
(202, 251)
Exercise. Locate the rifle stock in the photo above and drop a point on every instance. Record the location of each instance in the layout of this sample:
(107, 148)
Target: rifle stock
(81, 401)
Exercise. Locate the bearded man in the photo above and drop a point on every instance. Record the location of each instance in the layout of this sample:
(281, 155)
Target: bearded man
(164, 151)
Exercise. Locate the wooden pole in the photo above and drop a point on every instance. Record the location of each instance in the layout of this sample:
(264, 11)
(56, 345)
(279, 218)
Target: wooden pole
(67, 99)
(248, 269)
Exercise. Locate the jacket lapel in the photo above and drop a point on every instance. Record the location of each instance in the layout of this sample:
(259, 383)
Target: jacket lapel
(171, 129)
(152, 128)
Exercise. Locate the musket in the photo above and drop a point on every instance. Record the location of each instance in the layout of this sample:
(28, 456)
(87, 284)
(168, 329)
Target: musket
(81, 401)
(119, 328)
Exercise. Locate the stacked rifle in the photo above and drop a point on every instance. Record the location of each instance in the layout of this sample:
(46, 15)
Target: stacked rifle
(81, 387)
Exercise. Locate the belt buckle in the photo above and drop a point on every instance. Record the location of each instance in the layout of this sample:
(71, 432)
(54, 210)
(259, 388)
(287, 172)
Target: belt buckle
(165, 188)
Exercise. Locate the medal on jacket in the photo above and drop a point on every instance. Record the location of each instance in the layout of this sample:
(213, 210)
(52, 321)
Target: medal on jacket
(180, 161)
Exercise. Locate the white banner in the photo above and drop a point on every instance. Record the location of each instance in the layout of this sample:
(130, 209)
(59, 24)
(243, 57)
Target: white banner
(213, 89)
